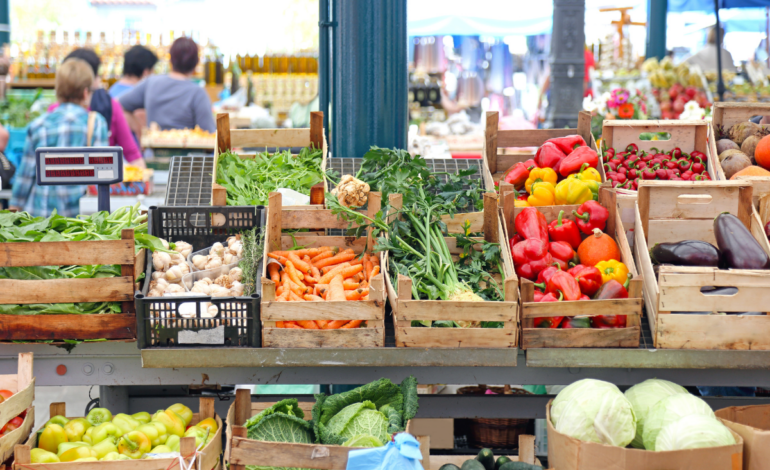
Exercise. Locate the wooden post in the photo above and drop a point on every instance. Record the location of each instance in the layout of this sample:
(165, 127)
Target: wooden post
(218, 194)
(490, 141)
(643, 200)
(127, 270)
(187, 447)
(396, 203)
(57, 409)
(490, 218)
(223, 133)
(745, 204)
(584, 126)
(374, 205)
(509, 205)
(608, 199)
(21, 455)
(241, 432)
(242, 406)
(274, 224)
(527, 449)
(317, 129)
(206, 408)
(25, 370)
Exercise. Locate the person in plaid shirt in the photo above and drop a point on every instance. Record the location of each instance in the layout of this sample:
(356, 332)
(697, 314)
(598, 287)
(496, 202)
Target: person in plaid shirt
(67, 126)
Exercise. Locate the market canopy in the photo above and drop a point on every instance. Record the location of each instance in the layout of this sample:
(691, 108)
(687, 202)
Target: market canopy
(488, 18)
(708, 5)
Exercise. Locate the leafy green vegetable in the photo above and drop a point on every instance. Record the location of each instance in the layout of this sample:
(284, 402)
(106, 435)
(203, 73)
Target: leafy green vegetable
(249, 181)
(282, 422)
(16, 110)
(250, 264)
(337, 417)
(363, 441)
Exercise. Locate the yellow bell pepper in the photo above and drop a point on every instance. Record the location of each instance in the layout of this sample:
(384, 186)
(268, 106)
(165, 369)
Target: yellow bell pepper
(591, 177)
(545, 174)
(541, 194)
(612, 269)
(520, 203)
(572, 191)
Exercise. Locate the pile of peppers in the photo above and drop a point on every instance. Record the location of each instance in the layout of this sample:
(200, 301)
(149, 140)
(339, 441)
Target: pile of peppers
(563, 172)
(626, 168)
(546, 254)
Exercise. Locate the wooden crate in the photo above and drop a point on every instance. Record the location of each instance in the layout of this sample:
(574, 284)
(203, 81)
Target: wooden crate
(687, 135)
(208, 456)
(269, 138)
(22, 384)
(526, 455)
(729, 114)
(372, 311)
(112, 289)
(627, 337)
(496, 164)
(676, 211)
(241, 451)
(405, 309)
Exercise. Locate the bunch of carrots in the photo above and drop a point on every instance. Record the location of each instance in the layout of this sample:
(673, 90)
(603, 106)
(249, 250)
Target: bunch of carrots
(321, 274)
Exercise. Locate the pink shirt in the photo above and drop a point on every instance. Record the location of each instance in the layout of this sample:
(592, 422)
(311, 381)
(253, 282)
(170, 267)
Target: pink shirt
(120, 133)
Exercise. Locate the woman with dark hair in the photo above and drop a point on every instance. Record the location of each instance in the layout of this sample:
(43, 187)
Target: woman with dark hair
(172, 101)
(138, 63)
(110, 109)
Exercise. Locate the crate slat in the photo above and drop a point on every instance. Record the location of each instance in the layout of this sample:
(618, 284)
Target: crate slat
(108, 289)
(47, 327)
(66, 253)
(729, 114)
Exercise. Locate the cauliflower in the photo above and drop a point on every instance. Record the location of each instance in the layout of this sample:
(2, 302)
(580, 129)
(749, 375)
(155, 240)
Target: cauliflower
(351, 192)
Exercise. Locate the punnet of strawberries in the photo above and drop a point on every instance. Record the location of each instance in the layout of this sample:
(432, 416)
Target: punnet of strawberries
(626, 168)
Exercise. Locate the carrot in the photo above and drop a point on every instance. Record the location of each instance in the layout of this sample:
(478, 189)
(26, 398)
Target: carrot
(340, 258)
(353, 324)
(336, 291)
(335, 324)
(280, 290)
(323, 255)
(349, 284)
(368, 266)
(364, 292)
(291, 324)
(273, 270)
(366, 297)
(352, 271)
(319, 289)
(357, 261)
(375, 272)
(311, 280)
(284, 297)
(308, 325)
(299, 264)
(295, 297)
(279, 258)
(306, 259)
(315, 272)
(279, 324)
(326, 278)
(375, 260)
(294, 275)
(283, 254)
(352, 295)
(313, 298)
(363, 285)
(322, 323)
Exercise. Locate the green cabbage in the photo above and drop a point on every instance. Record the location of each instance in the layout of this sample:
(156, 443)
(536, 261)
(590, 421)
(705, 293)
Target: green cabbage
(694, 432)
(282, 422)
(360, 419)
(643, 397)
(670, 410)
(596, 411)
(363, 441)
(576, 388)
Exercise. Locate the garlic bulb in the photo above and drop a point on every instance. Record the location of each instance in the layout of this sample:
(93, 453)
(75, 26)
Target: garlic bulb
(213, 263)
(217, 249)
(183, 248)
(210, 312)
(199, 261)
(236, 289)
(155, 292)
(157, 275)
(177, 259)
(228, 258)
(219, 291)
(201, 287)
(184, 267)
(164, 242)
(174, 274)
(174, 289)
(160, 261)
(231, 240)
(224, 281)
(236, 274)
(206, 281)
(162, 283)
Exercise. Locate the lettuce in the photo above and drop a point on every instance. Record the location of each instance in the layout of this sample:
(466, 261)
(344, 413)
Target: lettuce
(363, 441)
(360, 419)
(282, 422)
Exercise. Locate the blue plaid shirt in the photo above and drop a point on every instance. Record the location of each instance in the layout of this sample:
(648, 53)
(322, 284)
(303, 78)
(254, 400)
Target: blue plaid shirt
(66, 126)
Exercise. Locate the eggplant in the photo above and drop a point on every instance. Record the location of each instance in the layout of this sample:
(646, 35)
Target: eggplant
(739, 248)
(686, 253)
(711, 290)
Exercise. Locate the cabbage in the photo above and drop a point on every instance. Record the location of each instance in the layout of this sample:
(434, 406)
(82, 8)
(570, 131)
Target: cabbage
(643, 397)
(576, 388)
(694, 432)
(360, 419)
(363, 441)
(596, 411)
(670, 410)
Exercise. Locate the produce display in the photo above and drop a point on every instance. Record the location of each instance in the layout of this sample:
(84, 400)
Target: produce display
(102, 436)
(675, 86)
(415, 240)
(366, 416)
(154, 136)
(567, 266)
(322, 274)
(655, 415)
(744, 150)
(626, 168)
(249, 181)
(16, 109)
(563, 172)
(14, 423)
(486, 461)
(19, 227)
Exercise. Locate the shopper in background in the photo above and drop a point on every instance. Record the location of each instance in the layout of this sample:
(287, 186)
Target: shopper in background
(110, 109)
(172, 101)
(69, 125)
(706, 58)
(138, 63)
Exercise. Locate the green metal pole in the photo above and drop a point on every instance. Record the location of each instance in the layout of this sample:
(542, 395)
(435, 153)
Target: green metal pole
(656, 28)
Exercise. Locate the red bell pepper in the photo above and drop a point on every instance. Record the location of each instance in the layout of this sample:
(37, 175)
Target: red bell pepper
(568, 143)
(589, 278)
(530, 257)
(612, 289)
(564, 230)
(573, 162)
(562, 253)
(549, 322)
(549, 155)
(531, 223)
(575, 269)
(544, 275)
(538, 295)
(576, 322)
(632, 148)
(516, 239)
(518, 173)
(698, 166)
(564, 283)
(591, 215)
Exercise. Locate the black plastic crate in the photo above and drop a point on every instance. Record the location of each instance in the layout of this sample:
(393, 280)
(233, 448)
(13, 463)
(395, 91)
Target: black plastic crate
(237, 322)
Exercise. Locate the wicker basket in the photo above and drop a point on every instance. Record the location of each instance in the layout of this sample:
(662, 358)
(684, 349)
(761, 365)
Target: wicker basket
(495, 433)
